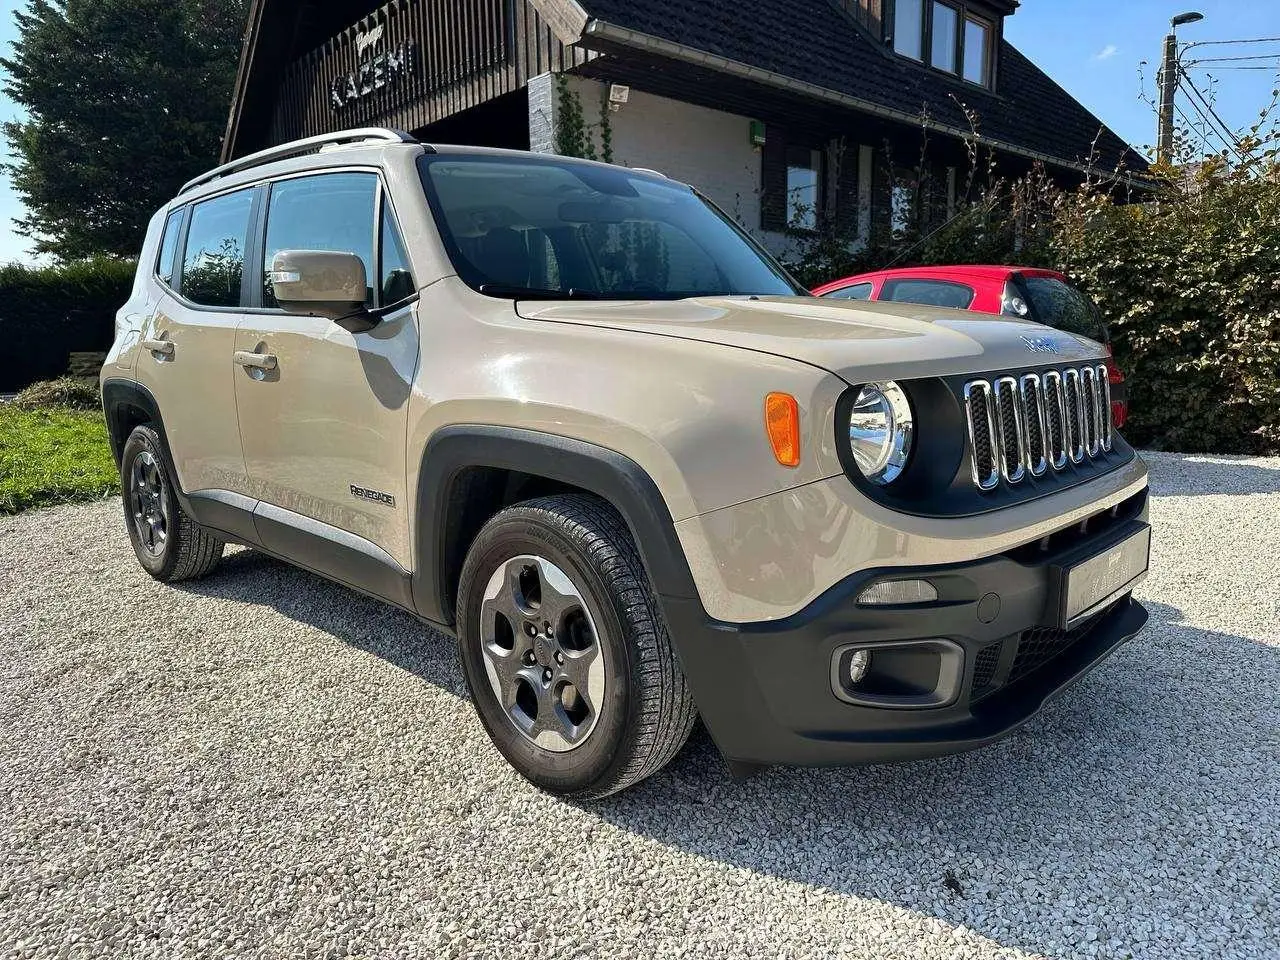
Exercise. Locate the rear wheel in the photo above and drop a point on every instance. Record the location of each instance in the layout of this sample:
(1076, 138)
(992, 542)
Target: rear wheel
(565, 652)
(169, 544)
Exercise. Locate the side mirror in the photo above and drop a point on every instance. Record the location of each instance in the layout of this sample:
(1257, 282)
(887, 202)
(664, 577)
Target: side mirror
(321, 283)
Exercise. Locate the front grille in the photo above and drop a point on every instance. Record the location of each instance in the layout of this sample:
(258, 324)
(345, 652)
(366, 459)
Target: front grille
(1037, 422)
(1037, 647)
(984, 666)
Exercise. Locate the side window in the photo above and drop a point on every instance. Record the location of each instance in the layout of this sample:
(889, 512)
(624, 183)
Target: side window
(929, 293)
(213, 268)
(167, 260)
(858, 291)
(332, 211)
(396, 277)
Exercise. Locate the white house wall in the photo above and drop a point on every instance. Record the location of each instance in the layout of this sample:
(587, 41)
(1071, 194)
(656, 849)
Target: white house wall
(709, 149)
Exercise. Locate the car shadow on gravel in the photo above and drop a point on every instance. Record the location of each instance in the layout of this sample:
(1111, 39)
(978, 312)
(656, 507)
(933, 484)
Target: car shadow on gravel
(1077, 808)
(1004, 841)
(1190, 475)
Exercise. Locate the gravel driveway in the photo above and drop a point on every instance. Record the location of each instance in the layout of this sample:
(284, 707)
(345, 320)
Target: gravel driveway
(267, 765)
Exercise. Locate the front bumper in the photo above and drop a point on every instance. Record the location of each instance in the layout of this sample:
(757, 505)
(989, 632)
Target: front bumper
(769, 695)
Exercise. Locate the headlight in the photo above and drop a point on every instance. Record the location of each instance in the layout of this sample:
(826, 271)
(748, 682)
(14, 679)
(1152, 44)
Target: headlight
(881, 427)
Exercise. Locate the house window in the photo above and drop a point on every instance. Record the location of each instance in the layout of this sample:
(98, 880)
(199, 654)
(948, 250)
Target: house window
(946, 34)
(902, 206)
(804, 187)
(977, 51)
(908, 28)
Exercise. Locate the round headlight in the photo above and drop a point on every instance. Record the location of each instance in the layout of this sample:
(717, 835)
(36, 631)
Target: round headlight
(881, 427)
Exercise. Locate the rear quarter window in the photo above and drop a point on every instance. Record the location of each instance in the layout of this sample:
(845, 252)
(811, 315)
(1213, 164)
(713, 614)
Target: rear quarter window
(167, 261)
(929, 293)
(1060, 305)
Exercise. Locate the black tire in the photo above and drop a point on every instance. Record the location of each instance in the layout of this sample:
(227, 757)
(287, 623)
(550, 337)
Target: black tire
(186, 550)
(646, 712)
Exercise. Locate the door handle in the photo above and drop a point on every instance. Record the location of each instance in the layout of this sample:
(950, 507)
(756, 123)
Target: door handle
(256, 361)
(164, 348)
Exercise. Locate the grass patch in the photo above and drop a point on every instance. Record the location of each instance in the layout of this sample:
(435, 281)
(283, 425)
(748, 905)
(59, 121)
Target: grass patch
(53, 455)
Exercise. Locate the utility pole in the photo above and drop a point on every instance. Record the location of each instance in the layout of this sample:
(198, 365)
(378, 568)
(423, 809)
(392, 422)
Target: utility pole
(1169, 86)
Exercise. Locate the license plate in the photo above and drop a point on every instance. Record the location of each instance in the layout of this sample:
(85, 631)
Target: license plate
(1099, 579)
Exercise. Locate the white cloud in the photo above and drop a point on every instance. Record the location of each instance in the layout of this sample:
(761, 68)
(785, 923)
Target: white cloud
(1109, 51)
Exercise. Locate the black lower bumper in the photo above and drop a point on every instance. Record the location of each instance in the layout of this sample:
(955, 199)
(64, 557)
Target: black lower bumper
(769, 695)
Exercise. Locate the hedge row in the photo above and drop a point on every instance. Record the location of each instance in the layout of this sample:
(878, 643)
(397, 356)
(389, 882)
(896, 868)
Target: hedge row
(46, 314)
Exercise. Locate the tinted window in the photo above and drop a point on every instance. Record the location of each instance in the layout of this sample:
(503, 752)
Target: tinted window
(1061, 305)
(169, 247)
(333, 212)
(214, 264)
(858, 291)
(555, 228)
(396, 277)
(931, 293)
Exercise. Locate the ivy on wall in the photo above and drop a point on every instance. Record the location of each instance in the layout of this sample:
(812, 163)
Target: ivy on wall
(574, 136)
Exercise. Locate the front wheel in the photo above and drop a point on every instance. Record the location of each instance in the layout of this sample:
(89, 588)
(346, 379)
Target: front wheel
(565, 652)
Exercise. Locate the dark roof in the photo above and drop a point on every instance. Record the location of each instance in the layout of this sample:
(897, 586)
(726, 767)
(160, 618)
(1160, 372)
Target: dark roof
(813, 42)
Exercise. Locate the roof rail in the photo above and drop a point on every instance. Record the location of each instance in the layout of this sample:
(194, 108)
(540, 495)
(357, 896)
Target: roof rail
(297, 148)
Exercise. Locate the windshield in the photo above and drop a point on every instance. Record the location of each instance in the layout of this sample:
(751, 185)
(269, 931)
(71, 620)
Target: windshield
(1060, 305)
(550, 228)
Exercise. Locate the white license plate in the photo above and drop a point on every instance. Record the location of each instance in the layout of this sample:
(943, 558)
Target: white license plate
(1099, 579)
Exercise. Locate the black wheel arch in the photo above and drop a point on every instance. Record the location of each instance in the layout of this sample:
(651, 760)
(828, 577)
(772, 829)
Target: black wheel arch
(470, 472)
(128, 404)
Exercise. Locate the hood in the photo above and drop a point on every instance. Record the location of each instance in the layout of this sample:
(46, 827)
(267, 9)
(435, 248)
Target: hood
(857, 340)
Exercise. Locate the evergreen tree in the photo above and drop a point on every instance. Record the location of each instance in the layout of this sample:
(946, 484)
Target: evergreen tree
(126, 101)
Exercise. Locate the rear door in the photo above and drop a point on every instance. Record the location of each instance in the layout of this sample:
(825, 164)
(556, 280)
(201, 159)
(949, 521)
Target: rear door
(185, 355)
(324, 412)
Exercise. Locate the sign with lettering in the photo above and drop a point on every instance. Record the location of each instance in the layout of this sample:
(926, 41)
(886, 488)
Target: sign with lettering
(379, 69)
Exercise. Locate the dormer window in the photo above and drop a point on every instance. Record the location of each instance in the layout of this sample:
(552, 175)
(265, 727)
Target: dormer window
(947, 36)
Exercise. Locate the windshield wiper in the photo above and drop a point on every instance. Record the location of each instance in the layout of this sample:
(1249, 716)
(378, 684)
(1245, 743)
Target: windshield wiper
(531, 293)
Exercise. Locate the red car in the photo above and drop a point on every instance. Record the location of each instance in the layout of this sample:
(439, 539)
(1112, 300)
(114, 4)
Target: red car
(1044, 296)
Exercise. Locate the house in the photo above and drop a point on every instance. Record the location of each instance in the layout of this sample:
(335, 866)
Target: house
(788, 113)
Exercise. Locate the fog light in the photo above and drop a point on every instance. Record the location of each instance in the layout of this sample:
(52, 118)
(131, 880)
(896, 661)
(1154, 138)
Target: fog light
(859, 664)
(898, 593)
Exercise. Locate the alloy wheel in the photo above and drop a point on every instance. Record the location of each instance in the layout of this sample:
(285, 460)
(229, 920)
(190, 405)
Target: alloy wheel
(148, 503)
(542, 653)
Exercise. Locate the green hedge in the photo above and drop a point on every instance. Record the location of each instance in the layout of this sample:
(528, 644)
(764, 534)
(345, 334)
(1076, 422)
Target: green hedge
(46, 314)
(1191, 285)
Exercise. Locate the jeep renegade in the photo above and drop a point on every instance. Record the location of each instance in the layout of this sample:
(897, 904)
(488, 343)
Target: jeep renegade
(573, 415)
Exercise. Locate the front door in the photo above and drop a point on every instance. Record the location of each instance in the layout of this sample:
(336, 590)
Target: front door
(324, 412)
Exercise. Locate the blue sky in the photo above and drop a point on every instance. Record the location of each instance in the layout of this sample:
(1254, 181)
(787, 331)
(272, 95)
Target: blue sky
(1091, 47)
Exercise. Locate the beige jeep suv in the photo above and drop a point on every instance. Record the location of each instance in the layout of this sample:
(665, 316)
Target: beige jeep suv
(573, 415)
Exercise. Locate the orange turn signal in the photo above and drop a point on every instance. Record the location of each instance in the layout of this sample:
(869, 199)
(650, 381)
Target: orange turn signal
(782, 424)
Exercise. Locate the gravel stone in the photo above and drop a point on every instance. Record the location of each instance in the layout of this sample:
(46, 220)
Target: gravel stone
(262, 764)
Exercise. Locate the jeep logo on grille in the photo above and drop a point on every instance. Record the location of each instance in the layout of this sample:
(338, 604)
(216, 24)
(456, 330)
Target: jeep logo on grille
(373, 496)
(1042, 344)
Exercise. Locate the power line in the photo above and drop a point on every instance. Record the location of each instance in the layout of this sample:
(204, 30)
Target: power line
(1257, 56)
(1196, 66)
(1204, 126)
(1220, 43)
(1212, 112)
(1207, 126)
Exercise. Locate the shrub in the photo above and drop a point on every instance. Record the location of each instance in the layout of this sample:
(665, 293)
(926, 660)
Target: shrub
(75, 393)
(1191, 285)
(46, 314)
